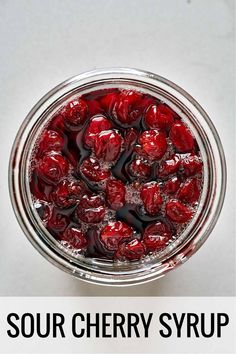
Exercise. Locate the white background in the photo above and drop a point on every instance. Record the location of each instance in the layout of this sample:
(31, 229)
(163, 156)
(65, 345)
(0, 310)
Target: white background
(189, 42)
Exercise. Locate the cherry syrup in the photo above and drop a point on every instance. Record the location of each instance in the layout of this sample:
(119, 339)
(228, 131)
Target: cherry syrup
(116, 174)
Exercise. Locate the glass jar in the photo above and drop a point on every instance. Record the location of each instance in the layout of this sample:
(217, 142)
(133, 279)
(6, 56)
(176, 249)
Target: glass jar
(212, 197)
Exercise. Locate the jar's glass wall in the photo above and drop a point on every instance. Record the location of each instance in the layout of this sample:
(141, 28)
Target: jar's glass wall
(212, 196)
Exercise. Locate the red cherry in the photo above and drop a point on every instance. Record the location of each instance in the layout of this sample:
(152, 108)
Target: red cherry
(58, 222)
(107, 102)
(140, 168)
(172, 185)
(151, 197)
(190, 191)
(96, 125)
(94, 108)
(145, 103)
(191, 165)
(51, 140)
(153, 143)
(178, 212)
(125, 109)
(68, 193)
(130, 139)
(156, 236)
(52, 168)
(115, 194)
(169, 166)
(57, 123)
(115, 232)
(75, 113)
(92, 170)
(181, 137)
(91, 209)
(74, 237)
(108, 145)
(132, 251)
(159, 116)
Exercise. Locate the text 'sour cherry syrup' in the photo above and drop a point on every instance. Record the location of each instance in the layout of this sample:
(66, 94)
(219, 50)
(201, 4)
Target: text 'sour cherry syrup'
(116, 174)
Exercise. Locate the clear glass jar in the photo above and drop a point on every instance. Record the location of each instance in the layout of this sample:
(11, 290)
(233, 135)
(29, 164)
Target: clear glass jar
(107, 272)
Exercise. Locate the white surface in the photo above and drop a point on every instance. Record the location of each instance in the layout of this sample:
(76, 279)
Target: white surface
(190, 42)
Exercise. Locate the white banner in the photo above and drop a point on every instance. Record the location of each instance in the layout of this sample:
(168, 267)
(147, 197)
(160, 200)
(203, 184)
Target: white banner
(66, 325)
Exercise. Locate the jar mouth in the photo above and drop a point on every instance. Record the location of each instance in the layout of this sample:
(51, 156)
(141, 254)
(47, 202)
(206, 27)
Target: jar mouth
(153, 266)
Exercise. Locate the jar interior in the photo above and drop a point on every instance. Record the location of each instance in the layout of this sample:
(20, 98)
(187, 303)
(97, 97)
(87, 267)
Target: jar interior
(151, 262)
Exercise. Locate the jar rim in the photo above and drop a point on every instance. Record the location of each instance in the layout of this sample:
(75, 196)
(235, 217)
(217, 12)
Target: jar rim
(154, 270)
